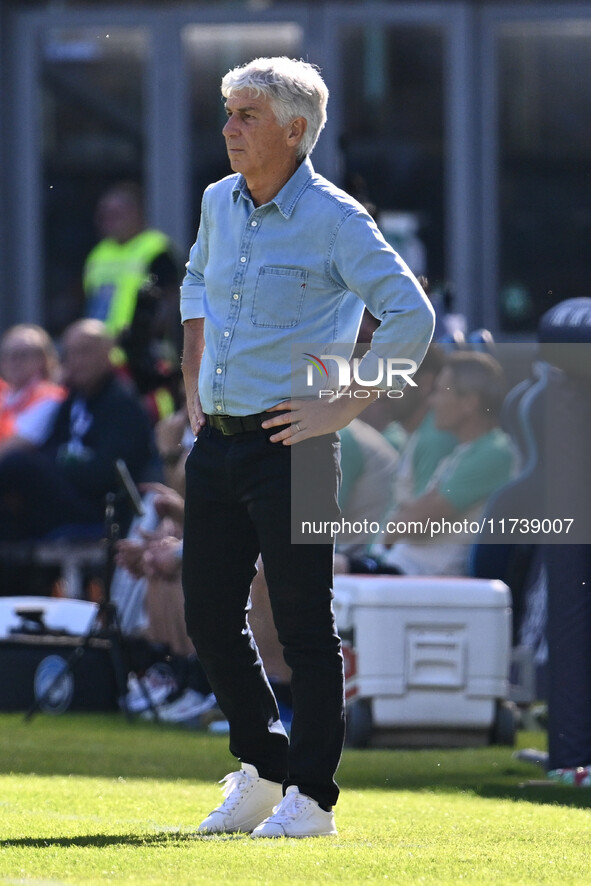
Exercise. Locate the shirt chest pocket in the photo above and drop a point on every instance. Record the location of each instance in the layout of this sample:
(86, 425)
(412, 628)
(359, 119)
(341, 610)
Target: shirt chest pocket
(279, 297)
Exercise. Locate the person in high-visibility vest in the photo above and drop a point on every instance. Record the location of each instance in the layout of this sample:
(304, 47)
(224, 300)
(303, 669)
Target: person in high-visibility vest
(131, 281)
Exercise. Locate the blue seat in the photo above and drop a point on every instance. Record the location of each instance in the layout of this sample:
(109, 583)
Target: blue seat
(511, 560)
(510, 418)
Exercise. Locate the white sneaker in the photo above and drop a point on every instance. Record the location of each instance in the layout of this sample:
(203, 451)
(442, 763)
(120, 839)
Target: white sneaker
(297, 816)
(249, 800)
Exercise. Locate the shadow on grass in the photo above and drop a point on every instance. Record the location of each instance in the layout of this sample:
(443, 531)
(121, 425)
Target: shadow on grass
(101, 841)
(488, 772)
(105, 746)
(553, 794)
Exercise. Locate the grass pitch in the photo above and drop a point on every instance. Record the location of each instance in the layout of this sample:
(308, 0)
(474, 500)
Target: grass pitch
(88, 799)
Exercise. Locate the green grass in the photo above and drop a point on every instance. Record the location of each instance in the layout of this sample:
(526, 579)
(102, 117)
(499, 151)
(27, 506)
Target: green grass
(90, 799)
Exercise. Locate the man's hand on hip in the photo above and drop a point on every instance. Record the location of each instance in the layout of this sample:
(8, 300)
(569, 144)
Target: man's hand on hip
(313, 418)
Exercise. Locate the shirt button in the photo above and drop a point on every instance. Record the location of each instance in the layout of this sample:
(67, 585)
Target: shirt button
(219, 371)
(226, 334)
(242, 258)
(218, 409)
(253, 224)
(235, 296)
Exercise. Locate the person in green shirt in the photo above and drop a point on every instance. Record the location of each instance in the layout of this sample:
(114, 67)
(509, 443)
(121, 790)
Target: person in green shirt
(419, 445)
(425, 536)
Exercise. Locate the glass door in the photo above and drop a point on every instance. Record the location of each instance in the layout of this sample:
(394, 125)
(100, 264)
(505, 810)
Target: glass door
(537, 161)
(404, 113)
(392, 137)
(92, 109)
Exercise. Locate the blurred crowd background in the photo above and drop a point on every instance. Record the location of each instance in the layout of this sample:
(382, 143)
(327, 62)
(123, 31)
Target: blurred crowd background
(464, 124)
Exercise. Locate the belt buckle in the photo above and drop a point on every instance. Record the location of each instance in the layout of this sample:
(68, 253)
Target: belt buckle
(230, 425)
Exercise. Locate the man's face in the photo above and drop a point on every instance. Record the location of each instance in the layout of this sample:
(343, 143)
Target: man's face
(118, 216)
(255, 142)
(85, 361)
(21, 358)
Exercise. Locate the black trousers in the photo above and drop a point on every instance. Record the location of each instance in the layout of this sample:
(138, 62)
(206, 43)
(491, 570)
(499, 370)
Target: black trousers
(239, 503)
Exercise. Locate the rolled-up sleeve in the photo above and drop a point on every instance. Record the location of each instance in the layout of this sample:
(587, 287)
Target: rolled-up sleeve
(369, 267)
(193, 285)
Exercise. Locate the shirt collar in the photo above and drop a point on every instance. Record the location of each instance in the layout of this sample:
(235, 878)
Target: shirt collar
(289, 194)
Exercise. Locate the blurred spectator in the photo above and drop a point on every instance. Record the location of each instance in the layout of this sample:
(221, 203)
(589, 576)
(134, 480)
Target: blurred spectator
(127, 256)
(131, 281)
(154, 559)
(30, 396)
(66, 480)
(466, 402)
(412, 430)
(156, 556)
(421, 446)
(368, 466)
(174, 439)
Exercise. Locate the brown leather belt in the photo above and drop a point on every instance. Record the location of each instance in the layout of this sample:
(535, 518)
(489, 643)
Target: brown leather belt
(237, 424)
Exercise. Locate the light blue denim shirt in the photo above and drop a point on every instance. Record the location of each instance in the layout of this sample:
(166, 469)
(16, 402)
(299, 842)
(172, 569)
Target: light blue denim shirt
(287, 276)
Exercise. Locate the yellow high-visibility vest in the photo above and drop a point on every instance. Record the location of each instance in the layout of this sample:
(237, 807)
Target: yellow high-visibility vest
(113, 274)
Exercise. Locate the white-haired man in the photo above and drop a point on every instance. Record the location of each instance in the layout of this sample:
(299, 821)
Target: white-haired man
(282, 258)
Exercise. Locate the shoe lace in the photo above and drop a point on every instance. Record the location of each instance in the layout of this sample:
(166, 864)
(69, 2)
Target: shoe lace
(234, 785)
(290, 807)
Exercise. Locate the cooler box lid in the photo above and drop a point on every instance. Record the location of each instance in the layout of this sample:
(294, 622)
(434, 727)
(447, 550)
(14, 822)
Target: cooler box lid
(422, 591)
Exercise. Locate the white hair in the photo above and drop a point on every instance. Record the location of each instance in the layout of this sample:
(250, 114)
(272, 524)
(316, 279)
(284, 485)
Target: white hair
(294, 88)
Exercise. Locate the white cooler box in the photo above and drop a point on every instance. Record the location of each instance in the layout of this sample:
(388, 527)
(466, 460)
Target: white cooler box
(428, 660)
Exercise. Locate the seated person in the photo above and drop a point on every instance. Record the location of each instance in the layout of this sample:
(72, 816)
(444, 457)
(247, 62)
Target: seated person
(155, 555)
(158, 559)
(154, 558)
(31, 395)
(421, 446)
(67, 478)
(466, 402)
(174, 439)
(424, 444)
(368, 465)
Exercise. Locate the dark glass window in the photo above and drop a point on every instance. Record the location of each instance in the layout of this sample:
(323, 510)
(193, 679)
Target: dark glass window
(392, 134)
(93, 112)
(544, 171)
